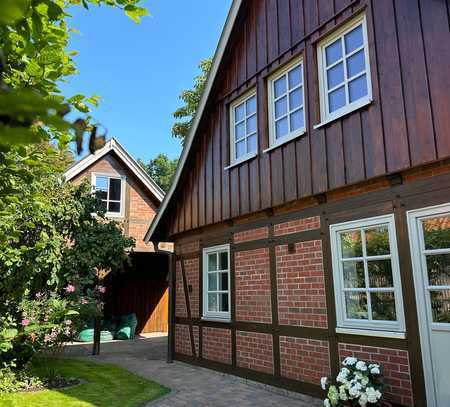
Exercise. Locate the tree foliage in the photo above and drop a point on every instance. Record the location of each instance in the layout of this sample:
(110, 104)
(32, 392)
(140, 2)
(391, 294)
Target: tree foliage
(161, 169)
(191, 98)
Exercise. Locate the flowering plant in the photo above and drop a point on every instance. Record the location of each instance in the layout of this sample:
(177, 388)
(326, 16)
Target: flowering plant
(358, 383)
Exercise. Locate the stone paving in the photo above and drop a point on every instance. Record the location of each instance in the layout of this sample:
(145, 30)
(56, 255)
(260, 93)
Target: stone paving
(190, 385)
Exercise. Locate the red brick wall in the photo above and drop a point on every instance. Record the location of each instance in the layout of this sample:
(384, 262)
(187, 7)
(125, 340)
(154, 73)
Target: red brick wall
(183, 339)
(254, 351)
(395, 365)
(216, 344)
(191, 273)
(301, 285)
(296, 225)
(180, 301)
(188, 247)
(252, 280)
(251, 234)
(304, 359)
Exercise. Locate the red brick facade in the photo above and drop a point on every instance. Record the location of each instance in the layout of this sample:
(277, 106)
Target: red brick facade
(191, 273)
(396, 369)
(252, 280)
(303, 359)
(254, 351)
(183, 339)
(217, 345)
(301, 285)
(188, 247)
(180, 301)
(297, 225)
(251, 234)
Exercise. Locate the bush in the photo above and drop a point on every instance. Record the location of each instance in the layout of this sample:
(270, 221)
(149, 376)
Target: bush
(12, 381)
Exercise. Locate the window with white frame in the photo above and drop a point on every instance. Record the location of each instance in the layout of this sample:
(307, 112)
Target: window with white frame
(216, 282)
(366, 274)
(109, 190)
(286, 103)
(344, 70)
(243, 125)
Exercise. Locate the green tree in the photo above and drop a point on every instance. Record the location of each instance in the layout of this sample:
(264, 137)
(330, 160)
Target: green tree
(161, 169)
(191, 98)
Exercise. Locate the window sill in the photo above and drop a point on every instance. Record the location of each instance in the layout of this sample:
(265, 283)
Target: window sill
(369, 332)
(345, 112)
(211, 319)
(285, 140)
(241, 160)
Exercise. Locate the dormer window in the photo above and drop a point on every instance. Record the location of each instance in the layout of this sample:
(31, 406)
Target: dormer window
(109, 189)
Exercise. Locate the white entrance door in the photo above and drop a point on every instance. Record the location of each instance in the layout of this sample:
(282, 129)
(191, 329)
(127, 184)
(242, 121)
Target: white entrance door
(429, 230)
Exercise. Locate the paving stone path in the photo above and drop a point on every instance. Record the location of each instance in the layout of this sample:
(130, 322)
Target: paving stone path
(190, 385)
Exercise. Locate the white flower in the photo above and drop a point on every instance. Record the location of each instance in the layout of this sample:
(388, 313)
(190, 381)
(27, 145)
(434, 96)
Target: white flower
(327, 403)
(354, 391)
(373, 395)
(363, 399)
(349, 361)
(361, 366)
(342, 376)
(324, 382)
(342, 392)
(375, 370)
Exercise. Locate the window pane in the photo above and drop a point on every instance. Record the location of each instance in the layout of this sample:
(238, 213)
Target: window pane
(251, 124)
(240, 130)
(114, 207)
(438, 267)
(296, 120)
(356, 305)
(223, 302)
(383, 306)
(357, 88)
(377, 241)
(380, 273)
(281, 128)
(223, 256)
(295, 98)
(353, 39)
(114, 189)
(440, 305)
(279, 86)
(240, 149)
(294, 77)
(223, 281)
(239, 112)
(251, 144)
(353, 274)
(212, 262)
(212, 281)
(436, 232)
(251, 105)
(212, 302)
(333, 52)
(335, 75)
(351, 244)
(101, 183)
(356, 64)
(280, 107)
(101, 194)
(336, 99)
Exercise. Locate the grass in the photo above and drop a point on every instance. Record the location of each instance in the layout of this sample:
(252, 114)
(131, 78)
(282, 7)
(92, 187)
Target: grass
(106, 386)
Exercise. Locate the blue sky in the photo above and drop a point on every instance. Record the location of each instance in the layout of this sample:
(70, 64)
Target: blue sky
(140, 70)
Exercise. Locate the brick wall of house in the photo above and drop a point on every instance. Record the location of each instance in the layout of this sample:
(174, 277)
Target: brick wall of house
(301, 285)
(304, 359)
(216, 345)
(183, 339)
(251, 234)
(252, 281)
(191, 270)
(296, 226)
(180, 301)
(254, 351)
(396, 369)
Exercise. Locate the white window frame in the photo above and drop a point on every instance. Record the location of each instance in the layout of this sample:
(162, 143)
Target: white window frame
(240, 100)
(224, 316)
(283, 71)
(358, 326)
(122, 192)
(326, 117)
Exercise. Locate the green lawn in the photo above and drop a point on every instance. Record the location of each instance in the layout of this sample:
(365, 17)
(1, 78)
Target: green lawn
(107, 386)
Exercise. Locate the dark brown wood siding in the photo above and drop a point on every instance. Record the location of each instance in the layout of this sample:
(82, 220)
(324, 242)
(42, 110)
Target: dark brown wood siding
(406, 125)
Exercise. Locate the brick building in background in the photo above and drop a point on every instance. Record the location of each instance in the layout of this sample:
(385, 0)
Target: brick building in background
(131, 197)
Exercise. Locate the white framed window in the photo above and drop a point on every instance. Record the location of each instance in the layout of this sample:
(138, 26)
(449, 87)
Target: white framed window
(110, 190)
(366, 275)
(286, 103)
(216, 282)
(344, 70)
(244, 128)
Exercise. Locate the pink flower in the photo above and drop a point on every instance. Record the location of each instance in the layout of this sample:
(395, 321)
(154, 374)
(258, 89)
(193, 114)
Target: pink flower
(84, 301)
(68, 322)
(25, 322)
(70, 288)
(101, 289)
(47, 338)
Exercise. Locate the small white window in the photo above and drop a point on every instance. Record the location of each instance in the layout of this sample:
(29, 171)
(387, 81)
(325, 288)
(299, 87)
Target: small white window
(344, 70)
(366, 275)
(243, 125)
(216, 282)
(286, 104)
(110, 190)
